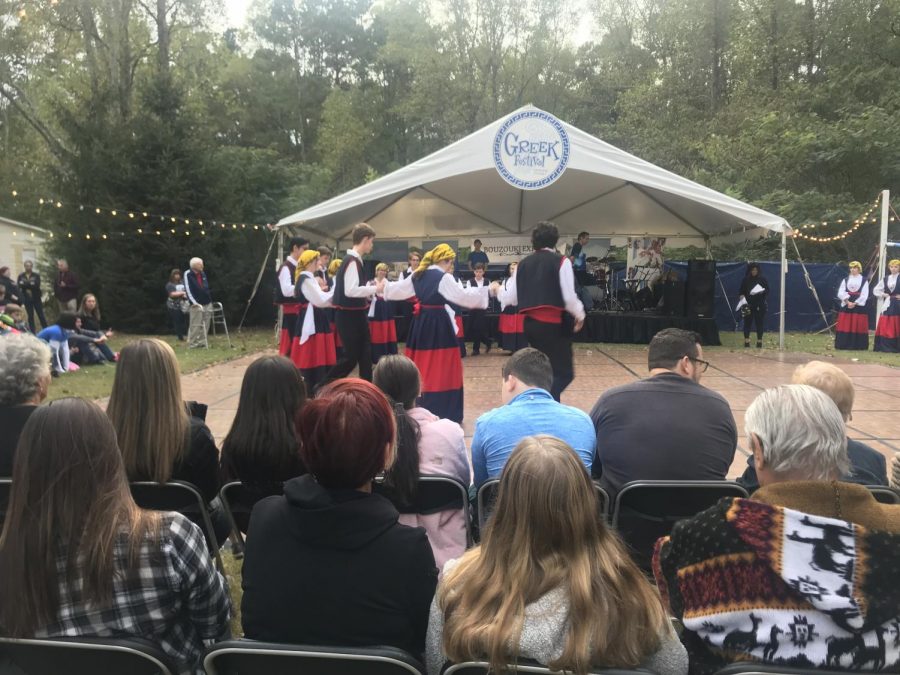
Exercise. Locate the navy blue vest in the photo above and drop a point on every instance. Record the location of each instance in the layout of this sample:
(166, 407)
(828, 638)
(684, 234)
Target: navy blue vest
(341, 301)
(537, 281)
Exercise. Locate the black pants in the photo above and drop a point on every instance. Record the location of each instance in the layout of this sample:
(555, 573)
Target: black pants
(758, 316)
(553, 340)
(479, 330)
(353, 329)
(179, 322)
(32, 306)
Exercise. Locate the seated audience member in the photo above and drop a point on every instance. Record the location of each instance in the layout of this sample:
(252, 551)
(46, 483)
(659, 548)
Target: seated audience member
(24, 383)
(262, 449)
(79, 558)
(867, 466)
(805, 572)
(528, 410)
(89, 313)
(328, 563)
(57, 336)
(668, 426)
(159, 438)
(426, 444)
(895, 471)
(550, 581)
(88, 347)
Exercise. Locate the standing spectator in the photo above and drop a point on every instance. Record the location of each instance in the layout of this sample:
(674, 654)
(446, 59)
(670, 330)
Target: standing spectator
(177, 304)
(13, 294)
(528, 410)
(65, 288)
(57, 336)
(754, 291)
(79, 558)
(477, 256)
(197, 287)
(24, 383)
(30, 285)
(89, 313)
(7, 306)
(667, 427)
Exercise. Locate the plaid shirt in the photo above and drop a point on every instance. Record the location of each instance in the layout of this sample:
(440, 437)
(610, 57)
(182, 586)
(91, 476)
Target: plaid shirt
(175, 598)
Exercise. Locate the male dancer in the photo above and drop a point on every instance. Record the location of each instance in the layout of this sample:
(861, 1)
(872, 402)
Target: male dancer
(351, 302)
(544, 290)
(284, 295)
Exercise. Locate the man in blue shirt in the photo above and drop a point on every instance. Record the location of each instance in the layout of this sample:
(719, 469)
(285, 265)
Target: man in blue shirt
(477, 256)
(528, 410)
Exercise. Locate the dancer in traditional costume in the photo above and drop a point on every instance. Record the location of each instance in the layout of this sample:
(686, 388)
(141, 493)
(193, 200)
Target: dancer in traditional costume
(887, 333)
(852, 331)
(479, 328)
(313, 351)
(382, 328)
(433, 345)
(332, 271)
(405, 309)
(284, 295)
(511, 325)
(325, 281)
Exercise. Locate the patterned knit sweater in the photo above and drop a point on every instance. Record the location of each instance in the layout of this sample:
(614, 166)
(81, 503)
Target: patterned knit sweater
(758, 581)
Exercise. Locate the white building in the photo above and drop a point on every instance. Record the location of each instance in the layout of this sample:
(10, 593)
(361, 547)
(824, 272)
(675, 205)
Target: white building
(20, 242)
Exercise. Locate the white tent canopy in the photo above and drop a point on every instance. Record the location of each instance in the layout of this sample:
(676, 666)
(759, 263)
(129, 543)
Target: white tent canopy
(457, 191)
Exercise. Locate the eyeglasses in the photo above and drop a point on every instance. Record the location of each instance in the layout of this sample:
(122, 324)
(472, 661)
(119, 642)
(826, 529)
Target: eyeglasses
(703, 364)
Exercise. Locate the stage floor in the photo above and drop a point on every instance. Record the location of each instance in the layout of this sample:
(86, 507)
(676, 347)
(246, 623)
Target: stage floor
(738, 376)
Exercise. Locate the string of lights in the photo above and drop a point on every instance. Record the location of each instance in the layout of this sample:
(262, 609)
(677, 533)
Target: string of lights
(866, 217)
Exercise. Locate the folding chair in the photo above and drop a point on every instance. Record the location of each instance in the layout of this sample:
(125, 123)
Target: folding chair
(529, 666)
(247, 657)
(751, 668)
(487, 495)
(86, 656)
(218, 319)
(436, 494)
(644, 511)
(238, 500)
(183, 498)
(884, 495)
(5, 490)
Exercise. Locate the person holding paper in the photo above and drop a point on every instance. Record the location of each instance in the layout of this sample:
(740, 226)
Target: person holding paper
(754, 291)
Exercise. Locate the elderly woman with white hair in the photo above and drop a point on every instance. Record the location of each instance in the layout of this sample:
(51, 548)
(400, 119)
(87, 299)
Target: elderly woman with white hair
(805, 572)
(198, 294)
(24, 383)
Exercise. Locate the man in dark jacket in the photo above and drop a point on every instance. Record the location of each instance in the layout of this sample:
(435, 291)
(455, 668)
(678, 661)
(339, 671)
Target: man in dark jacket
(65, 288)
(29, 283)
(197, 286)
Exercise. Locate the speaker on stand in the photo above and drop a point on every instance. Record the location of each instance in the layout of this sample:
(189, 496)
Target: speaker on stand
(701, 289)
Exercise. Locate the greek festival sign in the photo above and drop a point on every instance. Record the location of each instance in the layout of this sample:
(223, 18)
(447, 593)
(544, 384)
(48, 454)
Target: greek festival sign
(531, 149)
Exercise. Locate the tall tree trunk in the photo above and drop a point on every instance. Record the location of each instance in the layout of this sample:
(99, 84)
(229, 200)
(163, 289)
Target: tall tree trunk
(164, 42)
(718, 52)
(773, 44)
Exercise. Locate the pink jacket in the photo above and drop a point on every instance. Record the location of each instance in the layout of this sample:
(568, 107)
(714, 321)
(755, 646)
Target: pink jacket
(442, 451)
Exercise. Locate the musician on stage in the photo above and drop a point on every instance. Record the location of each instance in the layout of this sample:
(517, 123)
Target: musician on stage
(544, 290)
(284, 295)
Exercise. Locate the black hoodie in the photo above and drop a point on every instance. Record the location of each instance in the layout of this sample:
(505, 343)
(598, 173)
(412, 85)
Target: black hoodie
(334, 567)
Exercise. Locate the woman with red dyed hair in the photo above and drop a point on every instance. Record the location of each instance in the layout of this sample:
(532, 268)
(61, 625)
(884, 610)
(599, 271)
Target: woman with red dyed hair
(328, 563)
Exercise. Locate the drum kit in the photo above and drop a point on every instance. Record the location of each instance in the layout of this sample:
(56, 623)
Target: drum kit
(603, 290)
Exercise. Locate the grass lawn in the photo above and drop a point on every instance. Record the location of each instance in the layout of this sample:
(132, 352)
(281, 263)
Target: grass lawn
(96, 381)
(819, 344)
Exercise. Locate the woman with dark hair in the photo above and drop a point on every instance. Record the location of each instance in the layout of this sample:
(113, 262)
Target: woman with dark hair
(262, 449)
(754, 291)
(550, 581)
(79, 558)
(328, 563)
(177, 304)
(426, 445)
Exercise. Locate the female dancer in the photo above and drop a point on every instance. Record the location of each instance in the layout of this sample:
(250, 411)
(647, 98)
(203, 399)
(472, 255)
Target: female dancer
(853, 320)
(382, 328)
(511, 325)
(756, 302)
(313, 351)
(332, 270)
(887, 334)
(432, 344)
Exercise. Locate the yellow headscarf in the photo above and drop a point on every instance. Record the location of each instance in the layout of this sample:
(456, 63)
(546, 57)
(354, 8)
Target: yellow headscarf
(438, 254)
(894, 262)
(334, 267)
(856, 263)
(305, 259)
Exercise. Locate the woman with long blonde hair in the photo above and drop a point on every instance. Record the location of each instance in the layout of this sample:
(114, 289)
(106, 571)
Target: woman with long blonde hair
(159, 438)
(550, 581)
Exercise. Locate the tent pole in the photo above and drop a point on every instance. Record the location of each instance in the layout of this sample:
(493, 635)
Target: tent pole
(278, 260)
(521, 207)
(882, 248)
(782, 291)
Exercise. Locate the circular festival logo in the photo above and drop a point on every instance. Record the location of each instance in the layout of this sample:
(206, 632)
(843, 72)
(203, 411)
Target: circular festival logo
(531, 150)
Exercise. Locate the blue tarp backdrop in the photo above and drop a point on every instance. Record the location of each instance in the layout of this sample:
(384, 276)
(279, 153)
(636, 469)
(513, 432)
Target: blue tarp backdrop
(802, 312)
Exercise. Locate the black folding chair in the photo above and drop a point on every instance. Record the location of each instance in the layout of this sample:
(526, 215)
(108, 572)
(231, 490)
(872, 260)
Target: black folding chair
(247, 657)
(435, 494)
(751, 668)
(487, 496)
(529, 666)
(5, 490)
(183, 498)
(239, 500)
(884, 495)
(86, 656)
(647, 510)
